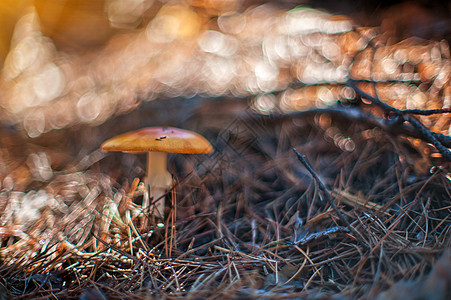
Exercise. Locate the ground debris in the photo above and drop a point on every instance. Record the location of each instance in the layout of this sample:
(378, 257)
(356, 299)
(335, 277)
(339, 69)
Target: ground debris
(247, 220)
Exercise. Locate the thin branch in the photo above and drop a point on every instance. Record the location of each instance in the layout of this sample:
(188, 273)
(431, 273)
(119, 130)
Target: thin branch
(427, 112)
(354, 114)
(442, 143)
(387, 108)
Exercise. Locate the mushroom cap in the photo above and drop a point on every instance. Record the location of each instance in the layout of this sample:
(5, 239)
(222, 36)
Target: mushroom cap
(161, 139)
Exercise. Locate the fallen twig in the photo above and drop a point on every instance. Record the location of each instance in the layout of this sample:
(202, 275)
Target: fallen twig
(329, 199)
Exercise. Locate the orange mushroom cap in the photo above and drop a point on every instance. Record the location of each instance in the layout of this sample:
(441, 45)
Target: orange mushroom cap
(161, 139)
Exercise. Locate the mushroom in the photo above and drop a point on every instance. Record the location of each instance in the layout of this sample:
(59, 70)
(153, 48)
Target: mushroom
(157, 142)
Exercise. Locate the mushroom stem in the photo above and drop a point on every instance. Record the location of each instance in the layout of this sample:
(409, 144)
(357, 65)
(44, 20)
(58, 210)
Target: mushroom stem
(158, 193)
(158, 179)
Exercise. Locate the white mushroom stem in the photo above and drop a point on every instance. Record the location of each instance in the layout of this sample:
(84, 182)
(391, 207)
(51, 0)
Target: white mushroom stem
(158, 179)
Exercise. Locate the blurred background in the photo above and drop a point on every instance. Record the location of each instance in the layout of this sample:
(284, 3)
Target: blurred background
(69, 62)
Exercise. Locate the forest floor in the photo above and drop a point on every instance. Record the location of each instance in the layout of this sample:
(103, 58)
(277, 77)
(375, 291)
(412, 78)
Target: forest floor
(338, 202)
